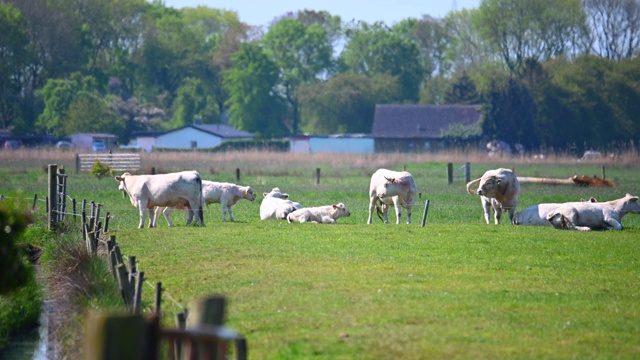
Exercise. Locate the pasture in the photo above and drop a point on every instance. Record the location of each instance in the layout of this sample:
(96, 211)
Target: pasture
(456, 288)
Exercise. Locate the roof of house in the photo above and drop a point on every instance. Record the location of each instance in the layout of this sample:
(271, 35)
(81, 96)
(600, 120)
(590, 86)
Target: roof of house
(221, 130)
(421, 121)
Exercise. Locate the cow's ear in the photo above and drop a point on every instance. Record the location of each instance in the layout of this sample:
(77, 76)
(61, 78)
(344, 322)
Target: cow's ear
(119, 178)
(285, 196)
(335, 206)
(635, 198)
(265, 194)
(498, 180)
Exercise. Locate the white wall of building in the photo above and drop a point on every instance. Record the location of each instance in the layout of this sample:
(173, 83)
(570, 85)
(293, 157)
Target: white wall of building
(331, 144)
(185, 139)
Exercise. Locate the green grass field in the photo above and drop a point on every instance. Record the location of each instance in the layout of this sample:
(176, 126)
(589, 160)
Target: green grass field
(456, 288)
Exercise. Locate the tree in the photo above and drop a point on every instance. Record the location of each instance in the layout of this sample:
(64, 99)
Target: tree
(375, 50)
(14, 57)
(462, 91)
(193, 103)
(302, 53)
(534, 29)
(431, 36)
(90, 113)
(253, 104)
(614, 27)
(345, 103)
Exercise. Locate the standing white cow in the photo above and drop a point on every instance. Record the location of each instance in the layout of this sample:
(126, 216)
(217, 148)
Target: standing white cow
(498, 189)
(328, 214)
(223, 193)
(276, 205)
(148, 191)
(594, 216)
(536, 215)
(391, 188)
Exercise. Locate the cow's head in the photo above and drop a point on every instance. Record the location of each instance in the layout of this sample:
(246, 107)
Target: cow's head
(631, 204)
(276, 193)
(122, 186)
(388, 188)
(249, 194)
(489, 186)
(341, 210)
(559, 221)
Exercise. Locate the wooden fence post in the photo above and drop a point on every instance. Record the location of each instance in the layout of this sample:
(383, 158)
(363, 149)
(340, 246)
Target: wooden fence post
(450, 173)
(35, 199)
(123, 282)
(137, 296)
(424, 214)
(238, 175)
(604, 175)
(467, 172)
(207, 311)
(317, 176)
(77, 164)
(115, 337)
(158, 299)
(52, 196)
(106, 222)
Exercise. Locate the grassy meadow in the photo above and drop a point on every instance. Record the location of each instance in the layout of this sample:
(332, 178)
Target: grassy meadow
(456, 288)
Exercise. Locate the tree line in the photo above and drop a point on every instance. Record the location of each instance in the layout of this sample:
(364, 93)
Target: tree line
(547, 73)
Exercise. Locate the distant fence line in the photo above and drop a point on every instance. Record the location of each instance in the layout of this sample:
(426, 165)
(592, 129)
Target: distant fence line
(200, 332)
(117, 162)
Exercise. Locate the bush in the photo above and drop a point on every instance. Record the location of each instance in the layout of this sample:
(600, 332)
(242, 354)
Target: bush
(101, 170)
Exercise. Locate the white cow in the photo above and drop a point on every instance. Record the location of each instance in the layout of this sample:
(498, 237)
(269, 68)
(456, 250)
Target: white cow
(223, 193)
(391, 188)
(536, 215)
(328, 214)
(276, 205)
(498, 189)
(594, 216)
(148, 191)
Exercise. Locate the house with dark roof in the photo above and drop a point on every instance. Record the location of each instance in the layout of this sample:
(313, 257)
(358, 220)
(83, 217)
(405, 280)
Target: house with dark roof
(200, 136)
(423, 127)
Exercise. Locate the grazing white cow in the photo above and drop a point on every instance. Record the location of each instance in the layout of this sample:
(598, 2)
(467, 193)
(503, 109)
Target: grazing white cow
(276, 205)
(498, 189)
(536, 215)
(594, 216)
(391, 188)
(223, 193)
(328, 214)
(148, 191)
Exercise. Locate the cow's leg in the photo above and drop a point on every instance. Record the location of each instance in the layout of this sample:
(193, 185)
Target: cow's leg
(372, 207)
(409, 208)
(152, 215)
(167, 215)
(497, 208)
(142, 209)
(613, 224)
(155, 215)
(398, 206)
(230, 210)
(486, 205)
(190, 213)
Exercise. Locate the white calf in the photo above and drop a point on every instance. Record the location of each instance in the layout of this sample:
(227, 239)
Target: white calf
(536, 215)
(328, 214)
(391, 188)
(594, 216)
(276, 205)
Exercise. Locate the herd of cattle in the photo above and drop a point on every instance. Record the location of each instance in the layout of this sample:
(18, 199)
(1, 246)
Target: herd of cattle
(498, 189)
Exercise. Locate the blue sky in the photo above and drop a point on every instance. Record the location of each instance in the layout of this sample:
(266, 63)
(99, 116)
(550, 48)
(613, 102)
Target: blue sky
(261, 12)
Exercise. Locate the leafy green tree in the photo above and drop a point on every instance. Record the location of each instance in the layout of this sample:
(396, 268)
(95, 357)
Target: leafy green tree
(302, 54)
(14, 57)
(535, 29)
(90, 113)
(58, 95)
(432, 38)
(193, 103)
(510, 113)
(376, 50)
(462, 91)
(253, 104)
(345, 103)
(614, 30)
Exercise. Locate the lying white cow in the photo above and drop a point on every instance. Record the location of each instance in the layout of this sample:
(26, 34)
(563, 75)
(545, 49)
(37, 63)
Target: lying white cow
(594, 216)
(276, 205)
(225, 194)
(328, 214)
(391, 188)
(536, 215)
(498, 189)
(148, 191)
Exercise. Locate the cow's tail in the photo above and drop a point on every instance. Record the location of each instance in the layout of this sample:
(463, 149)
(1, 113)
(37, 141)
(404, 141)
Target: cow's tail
(378, 203)
(472, 192)
(202, 201)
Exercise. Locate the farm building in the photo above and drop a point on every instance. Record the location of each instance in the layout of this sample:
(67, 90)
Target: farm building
(422, 127)
(85, 141)
(200, 136)
(343, 143)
